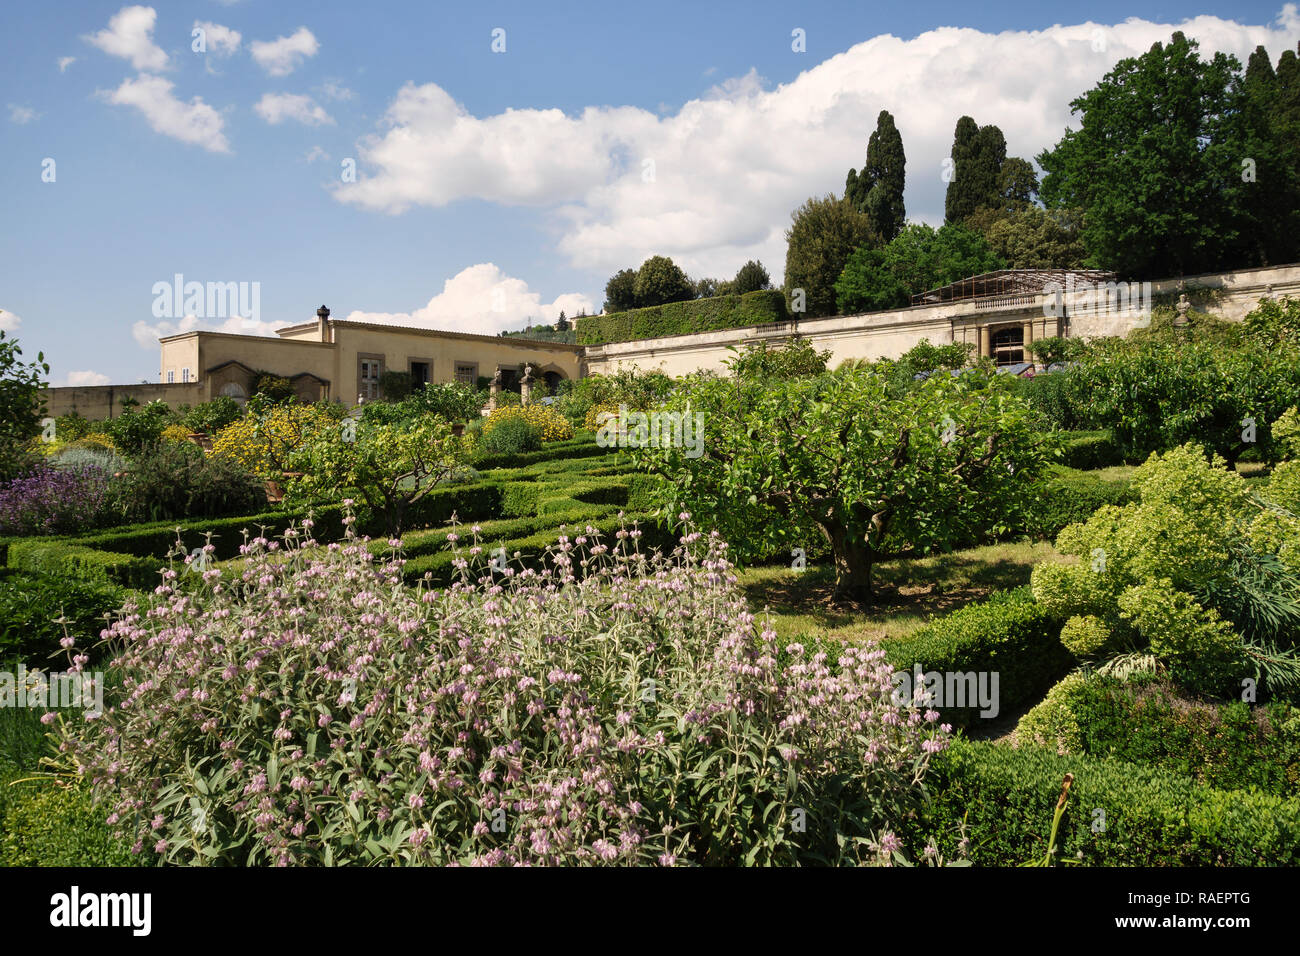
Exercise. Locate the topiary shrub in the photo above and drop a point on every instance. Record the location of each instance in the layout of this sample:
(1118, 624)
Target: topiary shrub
(500, 721)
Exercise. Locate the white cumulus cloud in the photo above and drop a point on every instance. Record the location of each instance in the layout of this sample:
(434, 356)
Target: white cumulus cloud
(9, 322)
(283, 55)
(221, 41)
(194, 122)
(278, 107)
(713, 183)
(130, 35)
(65, 62)
(147, 334)
(483, 300)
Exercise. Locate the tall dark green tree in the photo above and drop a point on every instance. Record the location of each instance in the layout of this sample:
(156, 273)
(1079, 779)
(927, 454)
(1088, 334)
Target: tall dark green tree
(1266, 194)
(975, 168)
(620, 291)
(562, 323)
(1152, 167)
(660, 280)
(878, 189)
(823, 234)
(750, 278)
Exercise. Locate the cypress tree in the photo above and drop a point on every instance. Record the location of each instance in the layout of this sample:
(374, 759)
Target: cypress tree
(878, 189)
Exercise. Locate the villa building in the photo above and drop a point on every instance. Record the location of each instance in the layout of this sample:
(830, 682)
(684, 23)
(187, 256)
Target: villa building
(1000, 314)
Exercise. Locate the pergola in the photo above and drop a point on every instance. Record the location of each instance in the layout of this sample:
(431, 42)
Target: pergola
(1008, 282)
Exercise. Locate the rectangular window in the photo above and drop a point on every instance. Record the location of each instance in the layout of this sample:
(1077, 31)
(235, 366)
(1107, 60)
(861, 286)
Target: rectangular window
(1008, 346)
(171, 375)
(466, 373)
(185, 375)
(419, 374)
(370, 370)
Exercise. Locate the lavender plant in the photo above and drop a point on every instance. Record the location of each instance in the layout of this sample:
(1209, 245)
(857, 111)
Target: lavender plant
(609, 707)
(54, 500)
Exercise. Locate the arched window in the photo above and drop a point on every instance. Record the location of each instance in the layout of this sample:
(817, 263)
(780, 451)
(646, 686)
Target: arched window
(236, 391)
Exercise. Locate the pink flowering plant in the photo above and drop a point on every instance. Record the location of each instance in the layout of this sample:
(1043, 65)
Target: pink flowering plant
(604, 706)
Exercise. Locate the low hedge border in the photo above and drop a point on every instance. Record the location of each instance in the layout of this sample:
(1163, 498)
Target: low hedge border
(1009, 633)
(1228, 745)
(1152, 818)
(532, 547)
(1087, 451)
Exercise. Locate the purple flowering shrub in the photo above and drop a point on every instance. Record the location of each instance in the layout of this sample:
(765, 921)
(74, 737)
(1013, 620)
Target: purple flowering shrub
(54, 501)
(609, 706)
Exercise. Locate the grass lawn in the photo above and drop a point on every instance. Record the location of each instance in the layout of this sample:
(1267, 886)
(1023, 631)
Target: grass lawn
(908, 593)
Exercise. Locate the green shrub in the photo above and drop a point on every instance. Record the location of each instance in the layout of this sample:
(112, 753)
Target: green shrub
(1066, 497)
(45, 822)
(512, 436)
(29, 604)
(1229, 746)
(685, 318)
(211, 417)
(137, 429)
(172, 481)
(1152, 818)
(1008, 634)
(1089, 451)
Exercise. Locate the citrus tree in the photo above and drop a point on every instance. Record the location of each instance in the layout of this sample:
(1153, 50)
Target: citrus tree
(878, 470)
(391, 466)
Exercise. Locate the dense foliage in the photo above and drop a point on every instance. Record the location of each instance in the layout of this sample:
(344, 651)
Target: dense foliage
(877, 469)
(1192, 575)
(517, 718)
(684, 318)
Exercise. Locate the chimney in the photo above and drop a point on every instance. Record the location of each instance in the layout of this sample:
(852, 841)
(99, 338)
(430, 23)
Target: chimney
(323, 324)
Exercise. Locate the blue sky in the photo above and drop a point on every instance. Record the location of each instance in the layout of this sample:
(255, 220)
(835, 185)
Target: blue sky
(490, 186)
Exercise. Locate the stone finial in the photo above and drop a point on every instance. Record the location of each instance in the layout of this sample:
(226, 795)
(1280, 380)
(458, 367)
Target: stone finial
(322, 313)
(1268, 291)
(494, 391)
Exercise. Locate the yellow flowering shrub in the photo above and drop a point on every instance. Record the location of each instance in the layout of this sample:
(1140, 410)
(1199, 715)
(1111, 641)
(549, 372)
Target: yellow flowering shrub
(596, 415)
(263, 442)
(175, 433)
(549, 425)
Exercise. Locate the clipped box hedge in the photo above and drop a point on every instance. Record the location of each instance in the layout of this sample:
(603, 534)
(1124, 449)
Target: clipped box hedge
(1152, 817)
(685, 318)
(1069, 496)
(531, 538)
(1009, 633)
(43, 556)
(43, 823)
(1087, 451)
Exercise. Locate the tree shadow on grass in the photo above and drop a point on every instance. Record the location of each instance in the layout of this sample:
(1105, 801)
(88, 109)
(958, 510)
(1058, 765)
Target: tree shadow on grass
(906, 593)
